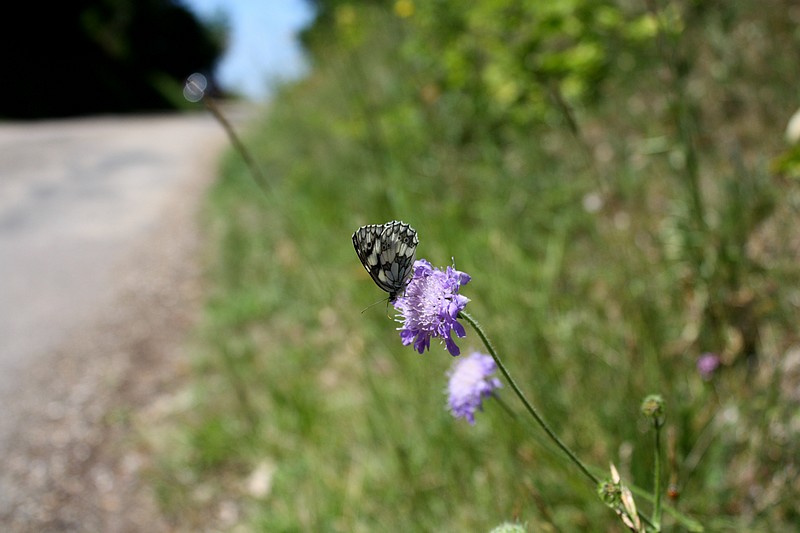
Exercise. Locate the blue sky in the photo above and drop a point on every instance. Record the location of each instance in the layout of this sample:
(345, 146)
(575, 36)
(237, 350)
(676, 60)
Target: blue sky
(262, 41)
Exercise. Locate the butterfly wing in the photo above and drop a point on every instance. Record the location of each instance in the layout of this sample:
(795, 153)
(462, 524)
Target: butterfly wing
(387, 252)
(366, 243)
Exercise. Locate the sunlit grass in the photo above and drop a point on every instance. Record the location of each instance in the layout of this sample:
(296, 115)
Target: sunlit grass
(592, 306)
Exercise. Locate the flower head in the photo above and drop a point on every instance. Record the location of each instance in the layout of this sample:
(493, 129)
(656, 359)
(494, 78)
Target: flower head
(653, 408)
(431, 305)
(617, 496)
(470, 382)
(707, 365)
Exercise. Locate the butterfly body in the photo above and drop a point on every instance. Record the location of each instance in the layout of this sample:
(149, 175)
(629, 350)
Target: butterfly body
(387, 252)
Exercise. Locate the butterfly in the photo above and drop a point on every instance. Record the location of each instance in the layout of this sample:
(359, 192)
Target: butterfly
(387, 251)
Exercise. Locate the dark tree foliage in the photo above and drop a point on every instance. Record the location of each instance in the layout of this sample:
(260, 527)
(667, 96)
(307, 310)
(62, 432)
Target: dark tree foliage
(100, 56)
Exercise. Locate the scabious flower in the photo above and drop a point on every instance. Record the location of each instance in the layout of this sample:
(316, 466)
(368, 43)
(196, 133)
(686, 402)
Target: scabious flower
(707, 365)
(470, 382)
(430, 306)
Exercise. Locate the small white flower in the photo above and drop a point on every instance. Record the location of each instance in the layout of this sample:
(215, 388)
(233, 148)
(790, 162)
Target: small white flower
(793, 128)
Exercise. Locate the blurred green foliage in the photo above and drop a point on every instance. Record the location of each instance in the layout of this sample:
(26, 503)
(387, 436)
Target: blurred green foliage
(602, 170)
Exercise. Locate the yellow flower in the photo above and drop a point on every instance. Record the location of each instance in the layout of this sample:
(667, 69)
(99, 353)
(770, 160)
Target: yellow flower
(404, 8)
(345, 15)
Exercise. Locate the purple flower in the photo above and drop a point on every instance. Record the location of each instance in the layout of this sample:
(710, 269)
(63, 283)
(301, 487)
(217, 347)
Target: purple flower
(430, 306)
(707, 365)
(469, 384)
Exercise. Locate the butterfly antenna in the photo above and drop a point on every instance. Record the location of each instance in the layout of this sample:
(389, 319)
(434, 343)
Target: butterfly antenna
(376, 303)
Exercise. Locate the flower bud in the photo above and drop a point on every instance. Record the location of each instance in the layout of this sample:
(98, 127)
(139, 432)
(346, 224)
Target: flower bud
(653, 408)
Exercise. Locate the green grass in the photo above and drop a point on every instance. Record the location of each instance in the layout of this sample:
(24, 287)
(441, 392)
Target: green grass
(590, 310)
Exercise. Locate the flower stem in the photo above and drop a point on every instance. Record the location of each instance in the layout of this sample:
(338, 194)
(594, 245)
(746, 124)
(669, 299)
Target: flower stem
(254, 169)
(528, 406)
(657, 482)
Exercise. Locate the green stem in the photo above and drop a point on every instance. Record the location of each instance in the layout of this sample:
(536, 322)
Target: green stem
(528, 406)
(685, 117)
(240, 388)
(532, 410)
(254, 169)
(657, 483)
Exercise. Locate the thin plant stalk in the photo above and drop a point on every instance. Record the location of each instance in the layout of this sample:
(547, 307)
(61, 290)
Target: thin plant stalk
(569, 116)
(685, 119)
(255, 171)
(657, 476)
(532, 410)
(195, 91)
(528, 406)
(240, 388)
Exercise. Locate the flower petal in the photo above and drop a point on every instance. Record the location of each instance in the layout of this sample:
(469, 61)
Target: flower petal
(430, 306)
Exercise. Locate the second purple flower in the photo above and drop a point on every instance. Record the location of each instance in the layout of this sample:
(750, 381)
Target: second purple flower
(471, 382)
(430, 306)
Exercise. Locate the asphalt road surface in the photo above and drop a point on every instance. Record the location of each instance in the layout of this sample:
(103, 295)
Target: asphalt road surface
(98, 288)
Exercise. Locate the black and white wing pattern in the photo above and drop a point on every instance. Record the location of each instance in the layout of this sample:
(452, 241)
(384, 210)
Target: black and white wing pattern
(387, 251)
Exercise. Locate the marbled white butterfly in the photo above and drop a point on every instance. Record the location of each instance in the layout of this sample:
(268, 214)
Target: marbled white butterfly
(387, 252)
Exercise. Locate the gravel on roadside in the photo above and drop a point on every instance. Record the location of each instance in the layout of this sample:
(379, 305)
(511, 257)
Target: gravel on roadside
(75, 463)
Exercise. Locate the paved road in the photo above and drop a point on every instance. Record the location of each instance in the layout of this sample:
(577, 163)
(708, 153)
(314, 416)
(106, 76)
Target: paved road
(93, 218)
(74, 196)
